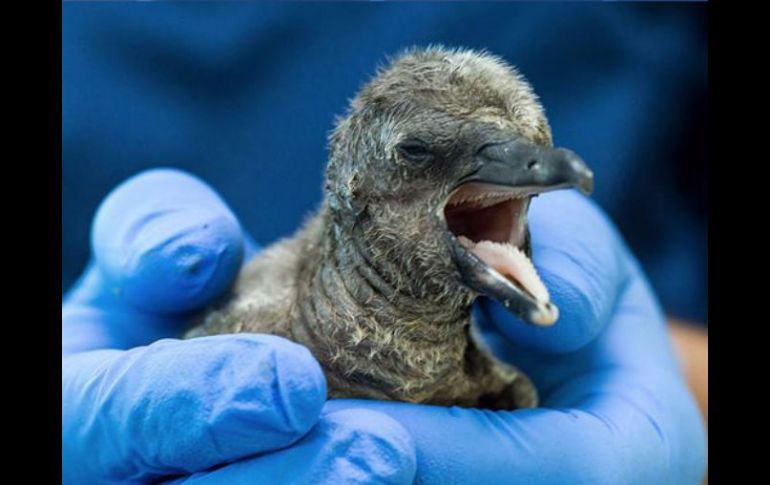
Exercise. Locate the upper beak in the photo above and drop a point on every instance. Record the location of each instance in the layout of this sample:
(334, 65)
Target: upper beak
(519, 163)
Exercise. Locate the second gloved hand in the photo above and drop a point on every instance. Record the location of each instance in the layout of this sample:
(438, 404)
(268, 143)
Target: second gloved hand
(615, 408)
(139, 405)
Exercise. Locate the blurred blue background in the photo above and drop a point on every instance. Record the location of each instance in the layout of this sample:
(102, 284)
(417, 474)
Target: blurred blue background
(244, 94)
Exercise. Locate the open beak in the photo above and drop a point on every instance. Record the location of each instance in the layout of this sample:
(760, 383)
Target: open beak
(486, 216)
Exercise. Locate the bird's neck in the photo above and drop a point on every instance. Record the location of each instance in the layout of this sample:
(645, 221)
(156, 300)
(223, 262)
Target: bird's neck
(369, 320)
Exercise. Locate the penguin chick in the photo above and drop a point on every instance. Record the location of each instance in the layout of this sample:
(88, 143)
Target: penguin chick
(428, 184)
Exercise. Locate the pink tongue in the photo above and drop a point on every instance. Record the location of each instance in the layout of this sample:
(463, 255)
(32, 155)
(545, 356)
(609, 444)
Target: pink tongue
(509, 261)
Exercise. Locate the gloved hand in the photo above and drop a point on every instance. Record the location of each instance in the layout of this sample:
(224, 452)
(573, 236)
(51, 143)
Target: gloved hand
(140, 406)
(615, 408)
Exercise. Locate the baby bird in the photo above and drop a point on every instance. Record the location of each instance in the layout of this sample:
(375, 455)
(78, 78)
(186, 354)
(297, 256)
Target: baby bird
(429, 180)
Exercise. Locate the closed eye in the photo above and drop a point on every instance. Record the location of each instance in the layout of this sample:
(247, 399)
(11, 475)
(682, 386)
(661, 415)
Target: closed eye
(415, 150)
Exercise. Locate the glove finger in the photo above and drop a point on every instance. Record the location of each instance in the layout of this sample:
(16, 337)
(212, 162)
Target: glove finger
(582, 262)
(178, 407)
(349, 446)
(166, 242)
(635, 338)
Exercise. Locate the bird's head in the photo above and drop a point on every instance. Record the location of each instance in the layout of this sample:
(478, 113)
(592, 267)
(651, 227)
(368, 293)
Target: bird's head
(434, 166)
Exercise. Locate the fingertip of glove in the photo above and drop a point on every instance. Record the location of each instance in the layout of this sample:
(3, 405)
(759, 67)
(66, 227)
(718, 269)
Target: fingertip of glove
(166, 242)
(578, 323)
(183, 264)
(221, 398)
(271, 375)
(380, 447)
(300, 382)
(581, 318)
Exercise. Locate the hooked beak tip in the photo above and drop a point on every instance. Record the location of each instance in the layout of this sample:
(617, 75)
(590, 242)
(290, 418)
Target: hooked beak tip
(582, 176)
(586, 185)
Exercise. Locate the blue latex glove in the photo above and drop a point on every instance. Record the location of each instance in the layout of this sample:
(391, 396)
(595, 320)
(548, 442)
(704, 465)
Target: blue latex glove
(139, 406)
(615, 408)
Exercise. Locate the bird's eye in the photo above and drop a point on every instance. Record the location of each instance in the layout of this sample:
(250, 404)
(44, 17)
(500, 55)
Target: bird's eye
(415, 151)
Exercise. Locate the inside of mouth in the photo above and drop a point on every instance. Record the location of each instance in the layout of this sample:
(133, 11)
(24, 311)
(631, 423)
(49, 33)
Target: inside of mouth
(491, 222)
